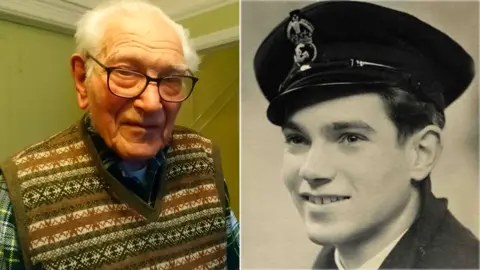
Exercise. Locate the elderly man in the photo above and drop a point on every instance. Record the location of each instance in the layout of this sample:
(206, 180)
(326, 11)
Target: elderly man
(359, 91)
(124, 188)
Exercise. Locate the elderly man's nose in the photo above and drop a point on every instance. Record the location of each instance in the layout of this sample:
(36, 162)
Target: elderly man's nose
(150, 99)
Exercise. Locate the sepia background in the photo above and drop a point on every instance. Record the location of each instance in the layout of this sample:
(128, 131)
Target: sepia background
(273, 235)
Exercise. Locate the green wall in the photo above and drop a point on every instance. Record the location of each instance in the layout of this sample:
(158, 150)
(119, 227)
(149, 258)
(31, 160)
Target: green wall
(37, 96)
(212, 21)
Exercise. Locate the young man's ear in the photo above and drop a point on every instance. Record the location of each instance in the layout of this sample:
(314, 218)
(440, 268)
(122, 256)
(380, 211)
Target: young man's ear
(426, 148)
(77, 66)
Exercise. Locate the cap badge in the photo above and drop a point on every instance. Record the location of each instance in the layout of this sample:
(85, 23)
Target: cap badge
(299, 32)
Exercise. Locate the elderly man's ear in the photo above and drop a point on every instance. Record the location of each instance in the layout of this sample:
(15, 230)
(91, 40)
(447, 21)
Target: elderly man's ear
(426, 147)
(77, 65)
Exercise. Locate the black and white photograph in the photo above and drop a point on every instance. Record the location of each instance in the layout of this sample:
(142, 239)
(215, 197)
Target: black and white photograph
(359, 134)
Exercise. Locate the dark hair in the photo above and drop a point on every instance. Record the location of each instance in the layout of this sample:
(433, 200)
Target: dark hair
(408, 113)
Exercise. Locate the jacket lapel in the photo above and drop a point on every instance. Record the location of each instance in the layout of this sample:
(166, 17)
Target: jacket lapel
(325, 259)
(411, 248)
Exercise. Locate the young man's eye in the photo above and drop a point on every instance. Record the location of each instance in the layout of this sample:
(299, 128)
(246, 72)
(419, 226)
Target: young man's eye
(350, 138)
(295, 139)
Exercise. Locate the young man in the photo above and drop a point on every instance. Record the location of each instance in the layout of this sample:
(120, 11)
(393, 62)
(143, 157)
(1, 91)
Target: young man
(359, 91)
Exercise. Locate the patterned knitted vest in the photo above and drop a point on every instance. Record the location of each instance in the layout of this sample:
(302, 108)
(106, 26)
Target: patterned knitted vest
(72, 214)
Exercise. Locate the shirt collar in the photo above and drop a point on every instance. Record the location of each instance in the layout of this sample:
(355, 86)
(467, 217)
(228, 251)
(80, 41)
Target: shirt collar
(376, 261)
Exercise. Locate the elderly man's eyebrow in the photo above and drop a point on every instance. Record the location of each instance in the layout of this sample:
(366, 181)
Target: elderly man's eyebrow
(159, 66)
(178, 69)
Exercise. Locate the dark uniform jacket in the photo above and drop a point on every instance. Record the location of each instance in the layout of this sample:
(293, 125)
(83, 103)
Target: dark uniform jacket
(435, 240)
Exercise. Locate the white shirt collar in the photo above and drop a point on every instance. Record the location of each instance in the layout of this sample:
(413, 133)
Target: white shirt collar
(376, 261)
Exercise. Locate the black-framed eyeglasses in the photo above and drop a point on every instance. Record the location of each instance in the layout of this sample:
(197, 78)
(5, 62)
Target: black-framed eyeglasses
(127, 83)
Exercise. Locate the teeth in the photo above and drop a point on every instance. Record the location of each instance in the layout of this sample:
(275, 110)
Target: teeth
(325, 200)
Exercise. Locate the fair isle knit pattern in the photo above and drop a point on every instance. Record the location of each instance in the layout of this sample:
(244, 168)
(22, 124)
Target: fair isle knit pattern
(79, 217)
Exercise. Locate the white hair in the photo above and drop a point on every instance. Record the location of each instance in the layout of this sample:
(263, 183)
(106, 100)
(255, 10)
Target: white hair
(91, 26)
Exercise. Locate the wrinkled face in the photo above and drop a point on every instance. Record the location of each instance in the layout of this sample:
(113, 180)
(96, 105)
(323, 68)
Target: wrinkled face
(345, 171)
(135, 128)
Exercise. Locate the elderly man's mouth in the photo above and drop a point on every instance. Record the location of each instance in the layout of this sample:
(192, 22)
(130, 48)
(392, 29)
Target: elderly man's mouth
(142, 125)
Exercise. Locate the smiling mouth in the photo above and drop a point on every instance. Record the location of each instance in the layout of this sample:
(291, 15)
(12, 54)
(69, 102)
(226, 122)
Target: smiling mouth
(322, 200)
